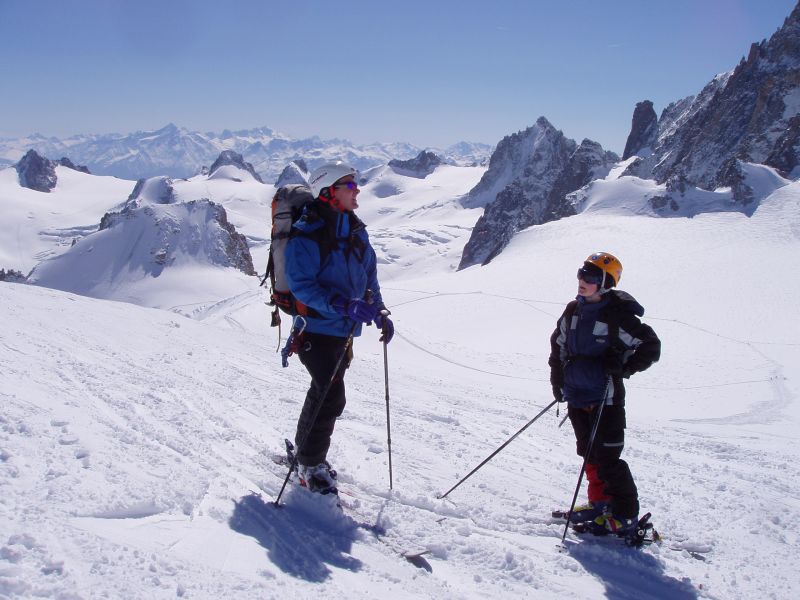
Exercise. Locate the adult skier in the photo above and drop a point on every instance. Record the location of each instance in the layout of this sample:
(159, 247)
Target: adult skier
(599, 341)
(340, 283)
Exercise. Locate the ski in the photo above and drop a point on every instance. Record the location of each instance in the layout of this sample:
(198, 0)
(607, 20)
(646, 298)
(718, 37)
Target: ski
(414, 556)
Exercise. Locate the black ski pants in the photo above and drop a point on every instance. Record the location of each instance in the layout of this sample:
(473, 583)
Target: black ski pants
(608, 444)
(319, 354)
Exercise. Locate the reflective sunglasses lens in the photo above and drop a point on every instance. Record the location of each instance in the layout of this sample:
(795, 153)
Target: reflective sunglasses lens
(589, 277)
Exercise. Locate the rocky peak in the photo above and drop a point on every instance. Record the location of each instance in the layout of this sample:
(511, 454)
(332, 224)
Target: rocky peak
(644, 129)
(529, 177)
(230, 157)
(746, 114)
(296, 172)
(420, 166)
(36, 172)
(197, 231)
(520, 155)
(153, 190)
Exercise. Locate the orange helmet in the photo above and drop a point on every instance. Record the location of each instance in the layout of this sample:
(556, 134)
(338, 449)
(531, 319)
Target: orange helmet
(610, 266)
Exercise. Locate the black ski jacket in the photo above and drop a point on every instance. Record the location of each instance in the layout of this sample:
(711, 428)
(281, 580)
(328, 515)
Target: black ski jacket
(594, 342)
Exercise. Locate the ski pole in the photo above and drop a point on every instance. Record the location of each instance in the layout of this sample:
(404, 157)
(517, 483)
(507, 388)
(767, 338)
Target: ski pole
(317, 408)
(492, 455)
(585, 460)
(386, 380)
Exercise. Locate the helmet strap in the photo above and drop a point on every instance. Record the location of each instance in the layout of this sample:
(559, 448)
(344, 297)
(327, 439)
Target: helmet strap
(328, 196)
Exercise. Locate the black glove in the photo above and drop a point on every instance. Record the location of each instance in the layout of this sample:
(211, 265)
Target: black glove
(558, 394)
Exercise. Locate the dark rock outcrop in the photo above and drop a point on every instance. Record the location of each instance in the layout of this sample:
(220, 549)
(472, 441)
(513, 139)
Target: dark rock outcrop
(730, 175)
(36, 172)
(65, 162)
(529, 177)
(644, 129)
(785, 153)
(236, 248)
(420, 166)
(12, 276)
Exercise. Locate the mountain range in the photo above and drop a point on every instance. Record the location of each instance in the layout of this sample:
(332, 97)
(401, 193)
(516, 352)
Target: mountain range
(725, 149)
(178, 152)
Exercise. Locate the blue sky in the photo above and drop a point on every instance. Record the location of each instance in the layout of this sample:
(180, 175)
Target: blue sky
(428, 72)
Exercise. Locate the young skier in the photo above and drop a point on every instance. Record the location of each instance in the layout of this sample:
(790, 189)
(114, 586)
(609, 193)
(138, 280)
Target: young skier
(342, 289)
(598, 342)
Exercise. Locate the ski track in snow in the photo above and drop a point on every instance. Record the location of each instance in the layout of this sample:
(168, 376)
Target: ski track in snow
(166, 455)
(173, 468)
(136, 445)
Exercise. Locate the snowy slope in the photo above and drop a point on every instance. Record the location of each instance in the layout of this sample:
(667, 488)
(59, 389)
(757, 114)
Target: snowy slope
(38, 225)
(132, 439)
(624, 194)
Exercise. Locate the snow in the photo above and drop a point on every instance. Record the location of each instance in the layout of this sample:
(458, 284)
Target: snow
(136, 444)
(791, 102)
(40, 225)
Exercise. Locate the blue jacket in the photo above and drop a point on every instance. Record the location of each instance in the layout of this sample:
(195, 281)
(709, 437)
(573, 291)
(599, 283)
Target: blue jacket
(345, 266)
(591, 336)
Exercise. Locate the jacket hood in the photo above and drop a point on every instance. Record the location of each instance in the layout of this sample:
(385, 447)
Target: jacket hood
(626, 301)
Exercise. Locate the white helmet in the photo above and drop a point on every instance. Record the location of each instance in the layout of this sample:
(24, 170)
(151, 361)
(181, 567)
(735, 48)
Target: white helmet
(328, 174)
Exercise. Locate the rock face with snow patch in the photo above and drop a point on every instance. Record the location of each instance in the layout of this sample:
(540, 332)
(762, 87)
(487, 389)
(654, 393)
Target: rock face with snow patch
(644, 130)
(141, 241)
(419, 167)
(295, 173)
(36, 172)
(529, 177)
(229, 157)
(748, 114)
(155, 190)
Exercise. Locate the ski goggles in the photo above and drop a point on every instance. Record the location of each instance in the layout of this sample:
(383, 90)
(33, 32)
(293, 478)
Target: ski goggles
(590, 276)
(350, 185)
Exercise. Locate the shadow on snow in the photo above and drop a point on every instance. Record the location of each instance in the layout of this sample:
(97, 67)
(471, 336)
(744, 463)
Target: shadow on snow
(629, 573)
(301, 540)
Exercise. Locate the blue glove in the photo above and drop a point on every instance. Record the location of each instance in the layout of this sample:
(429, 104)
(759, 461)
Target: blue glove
(386, 326)
(356, 309)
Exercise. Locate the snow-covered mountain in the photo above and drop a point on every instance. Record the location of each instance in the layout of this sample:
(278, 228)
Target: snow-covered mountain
(178, 152)
(41, 224)
(137, 251)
